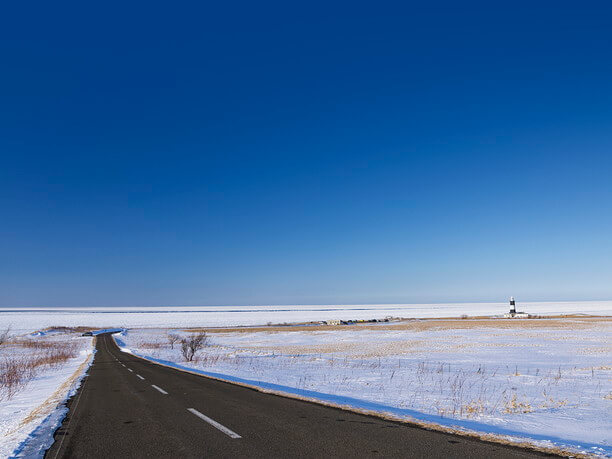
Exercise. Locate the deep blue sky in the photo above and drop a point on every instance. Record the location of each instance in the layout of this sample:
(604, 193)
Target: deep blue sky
(168, 153)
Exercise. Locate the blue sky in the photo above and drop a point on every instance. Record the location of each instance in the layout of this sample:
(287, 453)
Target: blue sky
(194, 154)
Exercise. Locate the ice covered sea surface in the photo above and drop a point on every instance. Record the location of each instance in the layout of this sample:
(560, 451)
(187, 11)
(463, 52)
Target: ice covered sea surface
(548, 382)
(23, 320)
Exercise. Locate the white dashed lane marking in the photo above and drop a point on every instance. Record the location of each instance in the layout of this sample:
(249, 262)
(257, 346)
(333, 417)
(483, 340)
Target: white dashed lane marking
(159, 389)
(212, 422)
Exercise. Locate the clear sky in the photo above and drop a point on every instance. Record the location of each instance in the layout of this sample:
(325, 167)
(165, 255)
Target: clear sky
(171, 153)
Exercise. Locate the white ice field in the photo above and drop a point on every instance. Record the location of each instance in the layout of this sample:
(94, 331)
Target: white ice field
(23, 320)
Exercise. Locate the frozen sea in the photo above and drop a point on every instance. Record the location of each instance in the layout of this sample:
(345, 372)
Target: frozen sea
(24, 320)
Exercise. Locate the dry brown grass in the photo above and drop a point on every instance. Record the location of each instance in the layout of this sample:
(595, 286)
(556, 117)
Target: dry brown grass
(16, 371)
(356, 349)
(46, 407)
(34, 343)
(555, 322)
(150, 345)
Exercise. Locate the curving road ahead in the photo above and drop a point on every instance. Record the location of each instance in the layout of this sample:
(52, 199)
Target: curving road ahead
(129, 407)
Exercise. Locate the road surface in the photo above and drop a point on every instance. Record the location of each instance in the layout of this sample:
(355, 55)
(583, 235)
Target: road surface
(129, 407)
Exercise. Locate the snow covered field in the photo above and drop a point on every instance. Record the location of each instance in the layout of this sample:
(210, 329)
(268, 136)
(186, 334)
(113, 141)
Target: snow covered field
(51, 366)
(546, 380)
(30, 319)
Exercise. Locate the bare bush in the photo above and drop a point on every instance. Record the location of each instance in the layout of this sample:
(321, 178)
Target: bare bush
(36, 343)
(15, 373)
(5, 335)
(58, 355)
(192, 344)
(18, 370)
(172, 338)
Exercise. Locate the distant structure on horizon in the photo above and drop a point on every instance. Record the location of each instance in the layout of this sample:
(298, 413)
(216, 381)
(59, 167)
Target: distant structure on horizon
(513, 314)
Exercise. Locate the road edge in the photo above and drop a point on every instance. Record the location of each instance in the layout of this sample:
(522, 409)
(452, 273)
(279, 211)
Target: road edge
(473, 435)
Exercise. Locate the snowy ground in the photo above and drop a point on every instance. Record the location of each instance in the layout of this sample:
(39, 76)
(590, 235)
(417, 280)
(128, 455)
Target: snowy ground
(547, 380)
(30, 319)
(29, 416)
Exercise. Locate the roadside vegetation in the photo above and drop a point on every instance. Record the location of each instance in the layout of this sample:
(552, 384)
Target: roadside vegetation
(23, 359)
(4, 335)
(192, 344)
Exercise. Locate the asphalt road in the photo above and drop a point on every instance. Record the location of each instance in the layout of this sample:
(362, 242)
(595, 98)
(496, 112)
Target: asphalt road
(129, 407)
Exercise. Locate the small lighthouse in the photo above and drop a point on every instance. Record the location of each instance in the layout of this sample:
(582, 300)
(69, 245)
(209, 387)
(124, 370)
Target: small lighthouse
(513, 314)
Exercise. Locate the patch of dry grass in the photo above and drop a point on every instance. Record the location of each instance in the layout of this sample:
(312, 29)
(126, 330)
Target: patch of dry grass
(151, 345)
(448, 343)
(17, 370)
(554, 322)
(46, 407)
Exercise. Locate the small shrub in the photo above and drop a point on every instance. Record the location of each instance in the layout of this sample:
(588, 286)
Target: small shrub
(192, 344)
(5, 335)
(474, 408)
(17, 371)
(36, 343)
(172, 338)
(514, 405)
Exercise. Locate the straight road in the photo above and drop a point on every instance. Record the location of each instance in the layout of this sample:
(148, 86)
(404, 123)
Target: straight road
(129, 407)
